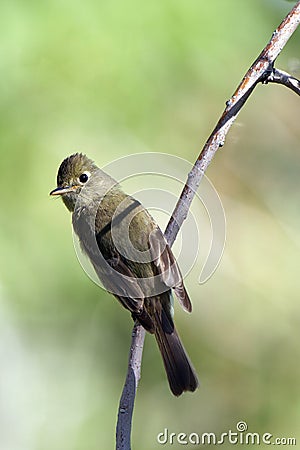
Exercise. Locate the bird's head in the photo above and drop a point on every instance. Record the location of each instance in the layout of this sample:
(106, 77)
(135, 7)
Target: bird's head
(73, 174)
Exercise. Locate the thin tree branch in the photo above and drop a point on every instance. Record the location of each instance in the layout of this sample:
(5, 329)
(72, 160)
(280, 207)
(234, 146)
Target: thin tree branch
(281, 77)
(260, 71)
(128, 395)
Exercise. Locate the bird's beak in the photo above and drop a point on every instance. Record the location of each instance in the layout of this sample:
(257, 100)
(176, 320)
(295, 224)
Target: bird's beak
(63, 190)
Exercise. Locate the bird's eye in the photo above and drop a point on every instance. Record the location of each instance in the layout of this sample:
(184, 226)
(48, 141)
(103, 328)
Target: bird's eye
(84, 177)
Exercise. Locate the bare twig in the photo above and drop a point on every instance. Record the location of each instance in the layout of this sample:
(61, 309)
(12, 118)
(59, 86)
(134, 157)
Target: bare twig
(258, 72)
(128, 395)
(262, 70)
(281, 77)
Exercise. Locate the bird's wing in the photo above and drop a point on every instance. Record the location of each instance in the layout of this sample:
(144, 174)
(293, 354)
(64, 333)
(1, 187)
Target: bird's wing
(167, 266)
(118, 279)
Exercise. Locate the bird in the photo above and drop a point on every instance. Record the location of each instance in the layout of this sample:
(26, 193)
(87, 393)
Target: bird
(130, 256)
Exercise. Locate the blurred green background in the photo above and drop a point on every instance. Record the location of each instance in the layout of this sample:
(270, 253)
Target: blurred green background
(112, 78)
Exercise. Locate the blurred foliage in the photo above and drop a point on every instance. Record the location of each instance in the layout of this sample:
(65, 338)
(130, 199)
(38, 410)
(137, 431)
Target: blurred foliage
(113, 78)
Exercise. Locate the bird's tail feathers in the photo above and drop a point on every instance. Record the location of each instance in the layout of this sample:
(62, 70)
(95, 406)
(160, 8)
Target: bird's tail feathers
(180, 372)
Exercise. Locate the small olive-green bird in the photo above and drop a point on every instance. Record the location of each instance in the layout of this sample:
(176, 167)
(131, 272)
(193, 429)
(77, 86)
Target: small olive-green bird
(130, 256)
